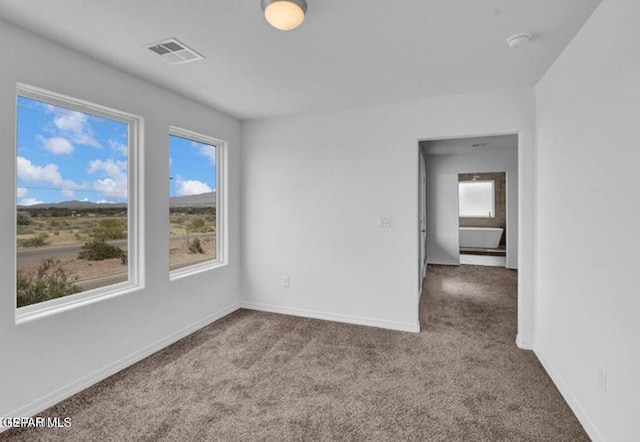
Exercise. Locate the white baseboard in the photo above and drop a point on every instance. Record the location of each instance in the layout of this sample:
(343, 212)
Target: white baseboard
(444, 263)
(337, 317)
(583, 418)
(93, 378)
(525, 344)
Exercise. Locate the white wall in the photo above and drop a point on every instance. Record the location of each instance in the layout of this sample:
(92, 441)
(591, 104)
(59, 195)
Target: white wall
(46, 359)
(588, 299)
(443, 239)
(313, 185)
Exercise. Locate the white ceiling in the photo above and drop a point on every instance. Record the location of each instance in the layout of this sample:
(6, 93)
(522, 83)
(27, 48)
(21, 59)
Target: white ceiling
(456, 146)
(347, 52)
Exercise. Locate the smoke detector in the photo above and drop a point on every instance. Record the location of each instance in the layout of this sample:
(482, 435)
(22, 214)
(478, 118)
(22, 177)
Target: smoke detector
(518, 40)
(174, 52)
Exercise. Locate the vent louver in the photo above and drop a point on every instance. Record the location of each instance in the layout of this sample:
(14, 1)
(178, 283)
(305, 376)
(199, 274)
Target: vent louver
(174, 51)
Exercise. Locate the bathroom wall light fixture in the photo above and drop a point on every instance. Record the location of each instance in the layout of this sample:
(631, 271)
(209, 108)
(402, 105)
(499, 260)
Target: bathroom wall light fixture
(284, 15)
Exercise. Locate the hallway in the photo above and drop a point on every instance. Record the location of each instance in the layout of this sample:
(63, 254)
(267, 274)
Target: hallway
(495, 390)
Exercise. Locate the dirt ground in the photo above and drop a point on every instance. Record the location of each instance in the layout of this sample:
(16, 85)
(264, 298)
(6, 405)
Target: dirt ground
(178, 257)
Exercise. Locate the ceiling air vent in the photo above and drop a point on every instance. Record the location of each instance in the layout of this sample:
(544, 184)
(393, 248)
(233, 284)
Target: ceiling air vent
(174, 51)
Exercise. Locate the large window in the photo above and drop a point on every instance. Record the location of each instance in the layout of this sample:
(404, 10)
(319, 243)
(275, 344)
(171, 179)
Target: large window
(76, 200)
(195, 210)
(476, 199)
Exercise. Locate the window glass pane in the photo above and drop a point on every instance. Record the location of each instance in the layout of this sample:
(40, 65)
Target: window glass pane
(72, 201)
(192, 202)
(476, 199)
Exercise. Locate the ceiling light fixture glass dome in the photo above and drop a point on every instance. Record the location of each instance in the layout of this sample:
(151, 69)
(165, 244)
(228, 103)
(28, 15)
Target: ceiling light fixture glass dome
(284, 15)
(517, 40)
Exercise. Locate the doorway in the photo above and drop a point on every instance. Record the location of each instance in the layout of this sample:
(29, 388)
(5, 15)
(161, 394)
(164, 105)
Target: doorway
(448, 161)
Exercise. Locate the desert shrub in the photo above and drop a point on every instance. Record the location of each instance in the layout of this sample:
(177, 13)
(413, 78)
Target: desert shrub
(195, 246)
(107, 229)
(99, 250)
(199, 225)
(178, 219)
(23, 220)
(51, 280)
(210, 216)
(36, 241)
(22, 230)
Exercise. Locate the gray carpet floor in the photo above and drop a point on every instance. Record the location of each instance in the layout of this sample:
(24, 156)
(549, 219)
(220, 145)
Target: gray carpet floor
(261, 376)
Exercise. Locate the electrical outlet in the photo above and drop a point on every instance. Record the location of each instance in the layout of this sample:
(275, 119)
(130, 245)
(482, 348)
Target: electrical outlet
(285, 281)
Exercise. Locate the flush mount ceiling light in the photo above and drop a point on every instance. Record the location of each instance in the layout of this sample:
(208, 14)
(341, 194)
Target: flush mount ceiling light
(518, 40)
(284, 15)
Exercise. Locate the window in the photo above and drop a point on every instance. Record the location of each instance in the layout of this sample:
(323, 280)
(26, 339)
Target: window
(195, 202)
(476, 199)
(76, 201)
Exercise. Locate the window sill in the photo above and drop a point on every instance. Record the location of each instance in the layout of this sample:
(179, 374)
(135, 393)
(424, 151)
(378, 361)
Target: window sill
(48, 308)
(195, 269)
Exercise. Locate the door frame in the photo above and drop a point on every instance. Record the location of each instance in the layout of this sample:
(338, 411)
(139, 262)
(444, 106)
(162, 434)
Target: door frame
(422, 213)
(526, 204)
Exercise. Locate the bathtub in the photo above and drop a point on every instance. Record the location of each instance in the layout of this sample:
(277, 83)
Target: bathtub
(485, 237)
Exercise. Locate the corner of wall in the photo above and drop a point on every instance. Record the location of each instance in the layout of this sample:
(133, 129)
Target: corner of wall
(525, 343)
(584, 419)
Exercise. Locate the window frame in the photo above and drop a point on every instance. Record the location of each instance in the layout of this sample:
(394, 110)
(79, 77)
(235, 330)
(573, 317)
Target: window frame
(222, 211)
(135, 214)
(493, 199)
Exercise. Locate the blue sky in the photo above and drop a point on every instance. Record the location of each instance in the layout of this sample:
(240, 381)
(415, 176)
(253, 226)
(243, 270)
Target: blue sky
(68, 155)
(191, 167)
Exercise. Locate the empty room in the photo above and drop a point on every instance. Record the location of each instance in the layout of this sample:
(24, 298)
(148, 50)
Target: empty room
(319, 220)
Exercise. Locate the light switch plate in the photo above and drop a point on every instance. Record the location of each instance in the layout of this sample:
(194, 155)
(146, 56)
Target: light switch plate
(384, 221)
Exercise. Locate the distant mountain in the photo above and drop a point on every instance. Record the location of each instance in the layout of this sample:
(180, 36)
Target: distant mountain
(203, 200)
(75, 204)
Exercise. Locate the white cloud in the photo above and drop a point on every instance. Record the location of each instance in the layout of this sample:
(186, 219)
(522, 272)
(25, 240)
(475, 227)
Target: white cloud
(209, 152)
(68, 193)
(73, 124)
(191, 187)
(29, 201)
(56, 145)
(110, 186)
(115, 181)
(22, 192)
(48, 174)
(109, 166)
(119, 148)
